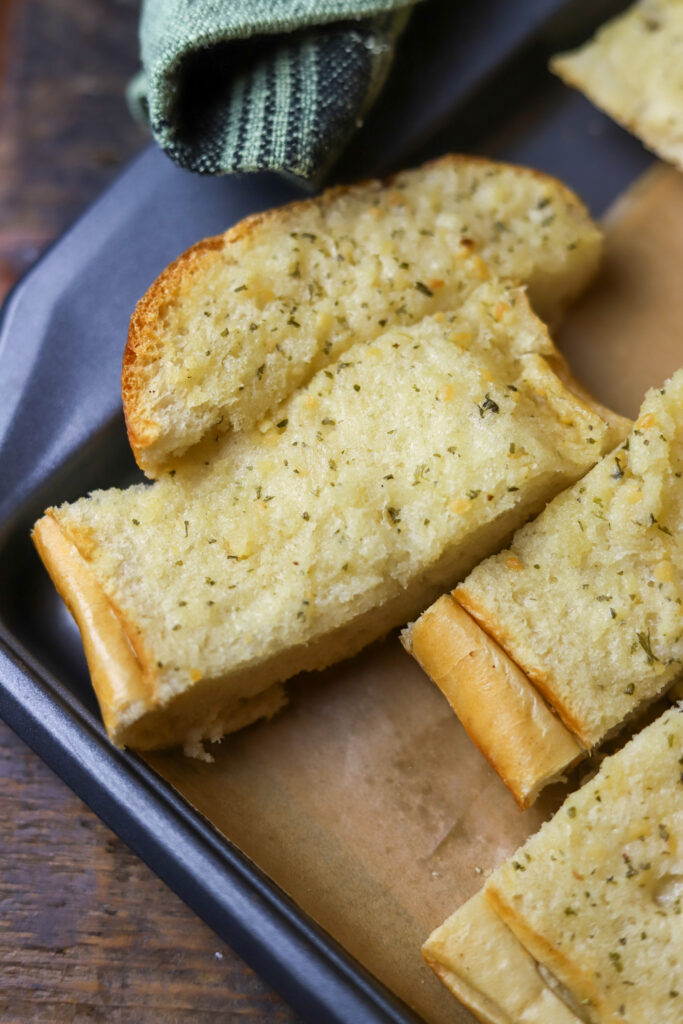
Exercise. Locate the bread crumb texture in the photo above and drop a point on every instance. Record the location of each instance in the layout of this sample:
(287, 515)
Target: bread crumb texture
(397, 468)
(240, 321)
(587, 599)
(596, 896)
(633, 69)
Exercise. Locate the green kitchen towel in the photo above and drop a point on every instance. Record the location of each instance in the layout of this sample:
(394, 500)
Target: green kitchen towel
(245, 85)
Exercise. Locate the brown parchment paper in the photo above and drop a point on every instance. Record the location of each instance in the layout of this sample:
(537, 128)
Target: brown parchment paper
(365, 801)
(626, 334)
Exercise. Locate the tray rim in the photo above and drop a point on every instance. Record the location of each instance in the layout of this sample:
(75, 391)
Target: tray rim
(245, 908)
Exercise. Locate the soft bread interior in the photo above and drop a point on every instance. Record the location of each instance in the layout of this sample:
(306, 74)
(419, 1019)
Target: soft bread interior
(383, 481)
(124, 695)
(240, 321)
(595, 895)
(606, 557)
(581, 612)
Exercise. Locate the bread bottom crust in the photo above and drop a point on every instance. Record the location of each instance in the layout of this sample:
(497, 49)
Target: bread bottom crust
(117, 675)
(544, 684)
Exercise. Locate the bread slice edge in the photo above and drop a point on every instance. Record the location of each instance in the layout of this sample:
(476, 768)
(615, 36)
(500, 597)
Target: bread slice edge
(498, 706)
(124, 690)
(142, 343)
(545, 953)
(485, 966)
(574, 69)
(543, 684)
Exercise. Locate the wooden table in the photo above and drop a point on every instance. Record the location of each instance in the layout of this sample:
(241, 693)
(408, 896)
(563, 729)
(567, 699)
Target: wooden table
(87, 932)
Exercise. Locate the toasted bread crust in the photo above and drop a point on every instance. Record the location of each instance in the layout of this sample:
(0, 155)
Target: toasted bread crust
(499, 708)
(145, 340)
(542, 682)
(123, 688)
(607, 861)
(464, 993)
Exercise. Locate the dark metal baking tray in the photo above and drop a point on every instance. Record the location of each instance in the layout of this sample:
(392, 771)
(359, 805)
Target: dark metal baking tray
(468, 76)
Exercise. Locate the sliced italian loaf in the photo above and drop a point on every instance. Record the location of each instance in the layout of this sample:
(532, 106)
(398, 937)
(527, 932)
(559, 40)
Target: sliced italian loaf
(585, 922)
(296, 543)
(241, 320)
(583, 609)
(633, 69)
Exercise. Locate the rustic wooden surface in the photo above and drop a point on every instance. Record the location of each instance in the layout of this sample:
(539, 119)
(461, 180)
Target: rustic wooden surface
(87, 932)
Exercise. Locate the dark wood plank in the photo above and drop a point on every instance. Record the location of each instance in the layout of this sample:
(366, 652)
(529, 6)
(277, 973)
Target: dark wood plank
(87, 932)
(64, 126)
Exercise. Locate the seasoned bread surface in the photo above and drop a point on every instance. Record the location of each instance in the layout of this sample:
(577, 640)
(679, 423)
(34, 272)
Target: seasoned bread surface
(296, 543)
(124, 691)
(587, 599)
(584, 922)
(596, 896)
(633, 69)
(241, 320)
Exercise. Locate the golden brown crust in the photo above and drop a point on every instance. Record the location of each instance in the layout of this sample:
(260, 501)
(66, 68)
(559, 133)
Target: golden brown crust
(83, 539)
(144, 341)
(499, 708)
(463, 993)
(122, 687)
(542, 682)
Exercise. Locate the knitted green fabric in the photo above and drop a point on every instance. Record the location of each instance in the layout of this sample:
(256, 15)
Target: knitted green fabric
(245, 85)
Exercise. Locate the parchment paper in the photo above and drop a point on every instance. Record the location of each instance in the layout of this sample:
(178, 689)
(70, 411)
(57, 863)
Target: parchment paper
(365, 801)
(626, 334)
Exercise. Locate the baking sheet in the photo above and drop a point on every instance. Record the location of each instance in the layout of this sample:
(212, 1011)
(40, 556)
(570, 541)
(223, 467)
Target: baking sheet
(364, 800)
(485, 90)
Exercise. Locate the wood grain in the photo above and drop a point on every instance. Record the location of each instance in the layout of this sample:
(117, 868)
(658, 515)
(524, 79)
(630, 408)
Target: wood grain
(87, 932)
